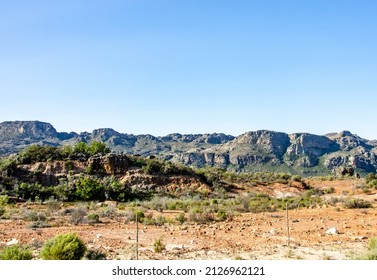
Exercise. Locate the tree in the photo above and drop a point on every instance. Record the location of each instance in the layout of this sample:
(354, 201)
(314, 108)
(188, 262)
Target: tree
(89, 189)
(97, 147)
(93, 148)
(80, 147)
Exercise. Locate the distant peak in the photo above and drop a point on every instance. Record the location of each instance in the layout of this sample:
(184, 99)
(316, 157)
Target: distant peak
(34, 129)
(345, 133)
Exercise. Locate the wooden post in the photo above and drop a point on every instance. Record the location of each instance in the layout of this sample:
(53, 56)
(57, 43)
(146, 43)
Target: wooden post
(137, 236)
(288, 240)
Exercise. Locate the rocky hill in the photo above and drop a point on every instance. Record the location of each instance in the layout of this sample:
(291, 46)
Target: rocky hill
(298, 153)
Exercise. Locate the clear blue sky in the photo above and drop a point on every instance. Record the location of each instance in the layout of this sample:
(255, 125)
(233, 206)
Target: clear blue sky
(191, 66)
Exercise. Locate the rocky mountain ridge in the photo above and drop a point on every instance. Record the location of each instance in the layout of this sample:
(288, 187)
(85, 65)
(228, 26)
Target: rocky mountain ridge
(262, 150)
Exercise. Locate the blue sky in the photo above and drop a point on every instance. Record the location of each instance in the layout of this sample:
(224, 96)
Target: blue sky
(165, 66)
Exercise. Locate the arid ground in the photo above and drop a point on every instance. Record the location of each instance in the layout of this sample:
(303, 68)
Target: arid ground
(245, 236)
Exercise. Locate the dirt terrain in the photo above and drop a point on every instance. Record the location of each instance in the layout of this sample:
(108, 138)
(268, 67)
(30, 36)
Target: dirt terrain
(246, 236)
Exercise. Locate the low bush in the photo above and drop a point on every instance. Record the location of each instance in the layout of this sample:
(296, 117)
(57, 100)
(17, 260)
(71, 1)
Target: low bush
(38, 153)
(15, 252)
(132, 214)
(53, 205)
(109, 211)
(94, 254)
(33, 216)
(181, 218)
(222, 215)
(201, 218)
(158, 245)
(372, 250)
(64, 247)
(93, 218)
(329, 190)
(39, 224)
(160, 220)
(7, 166)
(354, 203)
(77, 216)
(4, 200)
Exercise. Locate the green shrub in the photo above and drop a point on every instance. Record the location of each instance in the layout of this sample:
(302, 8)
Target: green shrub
(114, 190)
(37, 153)
(372, 250)
(39, 224)
(64, 247)
(4, 200)
(201, 218)
(132, 214)
(77, 215)
(97, 147)
(312, 193)
(89, 189)
(91, 149)
(222, 215)
(33, 216)
(139, 214)
(152, 166)
(158, 245)
(93, 218)
(181, 218)
(80, 147)
(329, 190)
(28, 191)
(109, 211)
(52, 204)
(7, 166)
(94, 254)
(2, 211)
(373, 243)
(69, 165)
(160, 220)
(354, 203)
(15, 252)
(296, 178)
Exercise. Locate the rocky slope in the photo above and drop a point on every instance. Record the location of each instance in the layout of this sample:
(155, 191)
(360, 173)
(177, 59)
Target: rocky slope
(300, 153)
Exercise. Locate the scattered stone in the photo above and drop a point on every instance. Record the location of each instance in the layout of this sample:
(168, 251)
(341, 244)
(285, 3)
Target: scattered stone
(98, 235)
(273, 231)
(12, 242)
(332, 231)
(178, 247)
(361, 238)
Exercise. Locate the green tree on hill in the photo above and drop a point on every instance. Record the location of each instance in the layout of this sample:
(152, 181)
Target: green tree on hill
(91, 149)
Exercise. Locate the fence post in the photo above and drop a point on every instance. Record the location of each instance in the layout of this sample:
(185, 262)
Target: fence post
(137, 236)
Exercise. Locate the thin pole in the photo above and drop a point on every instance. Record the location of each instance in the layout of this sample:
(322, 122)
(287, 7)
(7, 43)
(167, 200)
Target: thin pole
(137, 237)
(288, 241)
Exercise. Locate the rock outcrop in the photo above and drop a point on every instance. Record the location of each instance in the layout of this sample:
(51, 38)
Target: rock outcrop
(301, 153)
(109, 164)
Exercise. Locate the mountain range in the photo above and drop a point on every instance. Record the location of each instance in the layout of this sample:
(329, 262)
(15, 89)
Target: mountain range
(262, 150)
